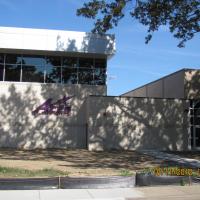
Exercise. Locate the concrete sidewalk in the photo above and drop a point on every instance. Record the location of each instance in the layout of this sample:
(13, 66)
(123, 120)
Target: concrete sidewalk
(143, 193)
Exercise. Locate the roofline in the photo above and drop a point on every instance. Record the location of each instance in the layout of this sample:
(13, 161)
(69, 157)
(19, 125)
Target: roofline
(60, 30)
(184, 69)
(136, 97)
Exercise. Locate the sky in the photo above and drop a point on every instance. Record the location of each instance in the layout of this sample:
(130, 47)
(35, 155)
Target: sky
(134, 64)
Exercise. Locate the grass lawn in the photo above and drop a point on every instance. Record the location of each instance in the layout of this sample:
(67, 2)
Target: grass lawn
(8, 172)
(48, 163)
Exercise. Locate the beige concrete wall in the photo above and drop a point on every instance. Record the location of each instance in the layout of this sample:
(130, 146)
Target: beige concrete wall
(192, 84)
(20, 128)
(137, 123)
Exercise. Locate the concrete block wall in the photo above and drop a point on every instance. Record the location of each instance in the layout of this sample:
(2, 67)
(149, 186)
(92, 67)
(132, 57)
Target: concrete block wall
(137, 123)
(19, 128)
(192, 84)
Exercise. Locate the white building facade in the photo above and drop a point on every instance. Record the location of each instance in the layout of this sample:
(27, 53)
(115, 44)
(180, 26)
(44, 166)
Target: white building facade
(45, 77)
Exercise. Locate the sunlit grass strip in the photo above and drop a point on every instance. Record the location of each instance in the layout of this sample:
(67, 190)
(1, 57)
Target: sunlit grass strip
(10, 172)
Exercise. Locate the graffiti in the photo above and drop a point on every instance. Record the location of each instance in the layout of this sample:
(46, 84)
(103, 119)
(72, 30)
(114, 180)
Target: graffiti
(60, 107)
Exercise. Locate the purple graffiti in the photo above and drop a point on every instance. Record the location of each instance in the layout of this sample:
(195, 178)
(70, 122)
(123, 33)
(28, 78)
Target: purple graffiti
(60, 107)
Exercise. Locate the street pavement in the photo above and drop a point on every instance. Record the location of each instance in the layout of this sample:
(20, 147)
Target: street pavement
(142, 193)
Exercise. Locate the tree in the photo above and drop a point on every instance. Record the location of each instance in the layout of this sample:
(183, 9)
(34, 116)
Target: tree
(182, 16)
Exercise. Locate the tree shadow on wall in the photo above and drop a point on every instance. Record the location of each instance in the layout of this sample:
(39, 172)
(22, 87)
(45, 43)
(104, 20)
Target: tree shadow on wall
(92, 43)
(137, 123)
(192, 84)
(19, 128)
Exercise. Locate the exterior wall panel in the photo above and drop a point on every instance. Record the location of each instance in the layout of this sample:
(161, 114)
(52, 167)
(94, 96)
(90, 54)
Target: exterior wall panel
(174, 85)
(137, 123)
(192, 84)
(19, 128)
(56, 40)
(140, 92)
(155, 89)
(171, 86)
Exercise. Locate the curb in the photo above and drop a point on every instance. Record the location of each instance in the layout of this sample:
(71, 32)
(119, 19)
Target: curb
(67, 183)
(153, 180)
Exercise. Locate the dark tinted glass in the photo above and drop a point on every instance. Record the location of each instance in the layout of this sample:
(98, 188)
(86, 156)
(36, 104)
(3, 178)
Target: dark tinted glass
(99, 76)
(100, 63)
(197, 134)
(1, 72)
(13, 59)
(85, 76)
(196, 111)
(69, 75)
(32, 74)
(53, 61)
(12, 72)
(196, 120)
(192, 135)
(1, 58)
(86, 63)
(53, 75)
(33, 60)
(69, 62)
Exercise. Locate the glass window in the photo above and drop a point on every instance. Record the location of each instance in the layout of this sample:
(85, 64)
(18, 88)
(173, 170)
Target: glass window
(32, 73)
(13, 59)
(85, 76)
(12, 72)
(100, 63)
(99, 76)
(69, 62)
(53, 61)
(1, 72)
(53, 75)
(33, 60)
(1, 58)
(192, 135)
(86, 63)
(69, 75)
(196, 120)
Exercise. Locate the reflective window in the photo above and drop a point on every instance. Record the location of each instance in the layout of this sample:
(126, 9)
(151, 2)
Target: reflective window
(85, 76)
(1, 58)
(32, 73)
(12, 72)
(13, 59)
(33, 60)
(99, 76)
(69, 62)
(53, 75)
(69, 75)
(53, 61)
(100, 63)
(53, 69)
(86, 63)
(1, 72)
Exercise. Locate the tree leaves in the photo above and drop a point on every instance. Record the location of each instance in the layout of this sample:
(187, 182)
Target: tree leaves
(182, 16)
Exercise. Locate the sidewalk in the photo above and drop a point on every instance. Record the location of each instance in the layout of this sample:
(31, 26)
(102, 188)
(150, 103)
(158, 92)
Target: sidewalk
(171, 157)
(143, 193)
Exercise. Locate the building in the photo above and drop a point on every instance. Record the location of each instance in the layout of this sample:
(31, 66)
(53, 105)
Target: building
(45, 77)
(53, 95)
(161, 115)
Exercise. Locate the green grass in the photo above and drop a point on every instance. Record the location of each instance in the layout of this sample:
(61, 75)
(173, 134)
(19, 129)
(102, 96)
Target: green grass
(9, 172)
(125, 172)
